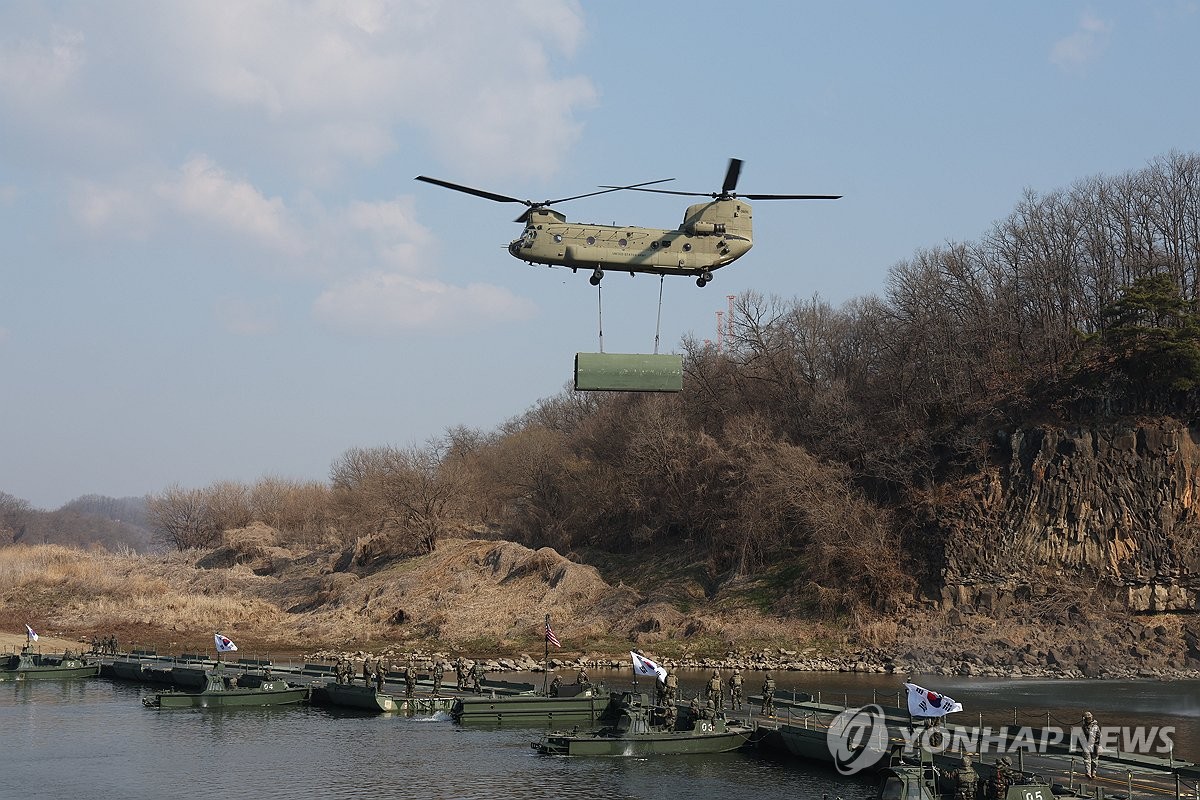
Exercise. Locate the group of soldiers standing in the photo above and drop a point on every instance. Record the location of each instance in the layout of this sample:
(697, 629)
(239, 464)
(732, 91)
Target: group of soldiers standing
(715, 690)
(468, 677)
(715, 694)
(375, 671)
(106, 646)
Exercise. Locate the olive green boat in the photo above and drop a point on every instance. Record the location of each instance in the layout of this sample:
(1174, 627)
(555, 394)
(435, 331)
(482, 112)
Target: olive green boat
(28, 665)
(570, 702)
(634, 733)
(368, 698)
(223, 691)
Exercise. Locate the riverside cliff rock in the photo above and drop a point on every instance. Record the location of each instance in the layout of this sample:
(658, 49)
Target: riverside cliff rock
(1111, 508)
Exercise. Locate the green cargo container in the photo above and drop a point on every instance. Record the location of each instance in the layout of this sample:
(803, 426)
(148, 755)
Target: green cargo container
(628, 372)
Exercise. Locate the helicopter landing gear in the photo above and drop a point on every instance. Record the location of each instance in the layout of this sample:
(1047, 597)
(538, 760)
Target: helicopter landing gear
(597, 276)
(704, 278)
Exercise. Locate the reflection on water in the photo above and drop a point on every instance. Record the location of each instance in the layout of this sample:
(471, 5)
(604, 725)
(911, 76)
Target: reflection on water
(80, 738)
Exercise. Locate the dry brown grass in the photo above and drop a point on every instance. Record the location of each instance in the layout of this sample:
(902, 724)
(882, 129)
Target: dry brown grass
(97, 592)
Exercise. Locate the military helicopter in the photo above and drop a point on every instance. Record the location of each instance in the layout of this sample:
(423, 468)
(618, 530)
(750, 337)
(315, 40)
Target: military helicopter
(713, 233)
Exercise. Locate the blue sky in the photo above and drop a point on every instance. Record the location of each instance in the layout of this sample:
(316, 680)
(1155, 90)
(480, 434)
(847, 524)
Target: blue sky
(216, 264)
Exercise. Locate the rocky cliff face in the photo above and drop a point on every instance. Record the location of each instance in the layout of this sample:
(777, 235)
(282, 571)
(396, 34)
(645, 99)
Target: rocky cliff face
(1107, 508)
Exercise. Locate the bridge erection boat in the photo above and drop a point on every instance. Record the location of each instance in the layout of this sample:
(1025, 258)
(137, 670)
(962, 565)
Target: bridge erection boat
(222, 691)
(28, 665)
(634, 734)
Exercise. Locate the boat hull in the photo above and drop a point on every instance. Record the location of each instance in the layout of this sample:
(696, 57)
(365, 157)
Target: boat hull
(29, 665)
(50, 673)
(528, 709)
(650, 744)
(231, 698)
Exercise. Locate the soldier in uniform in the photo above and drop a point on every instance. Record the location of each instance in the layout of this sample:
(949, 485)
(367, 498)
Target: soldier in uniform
(582, 678)
(670, 716)
(966, 779)
(473, 678)
(1091, 743)
(460, 674)
(671, 685)
(714, 687)
(1003, 779)
(709, 711)
(410, 680)
(438, 671)
(694, 708)
(735, 690)
(554, 684)
(768, 696)
(379, 675)
(367, 669)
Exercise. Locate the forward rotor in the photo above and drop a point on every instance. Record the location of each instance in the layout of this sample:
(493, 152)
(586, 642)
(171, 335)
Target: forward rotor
(532, 204)
(727, 189)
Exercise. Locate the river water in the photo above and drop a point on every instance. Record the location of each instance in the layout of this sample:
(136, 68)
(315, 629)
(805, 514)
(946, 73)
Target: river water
(82, 739)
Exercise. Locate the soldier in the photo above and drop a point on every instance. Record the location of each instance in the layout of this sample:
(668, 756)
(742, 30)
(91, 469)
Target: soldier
(438, 671)
(709, 711)
(460, 674)
(1003, 779)
(582, 678)
(768, 696)
(367, 668)
(1091, 743)
(735, 690)
(379, 675)
(671, 685)
(410, 680)
(473, 678)
(966, 779)
(554, 684)
(95, 645)
(714, 687)
(670, 716)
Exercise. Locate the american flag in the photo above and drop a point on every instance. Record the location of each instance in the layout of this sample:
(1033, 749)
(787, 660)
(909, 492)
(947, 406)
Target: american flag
(550, 637)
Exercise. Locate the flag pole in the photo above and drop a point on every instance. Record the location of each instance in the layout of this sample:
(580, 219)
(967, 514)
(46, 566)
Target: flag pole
(546, 657)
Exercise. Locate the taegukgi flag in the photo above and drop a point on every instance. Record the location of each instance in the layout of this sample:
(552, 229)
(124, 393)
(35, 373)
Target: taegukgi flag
(924, 703)
(224, 643)
(33, 636)
(644, 666)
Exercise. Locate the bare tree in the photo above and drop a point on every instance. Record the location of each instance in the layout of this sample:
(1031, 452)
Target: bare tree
(182, 518)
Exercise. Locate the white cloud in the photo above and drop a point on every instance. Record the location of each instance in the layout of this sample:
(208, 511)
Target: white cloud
(340, 82)
(34, 68)
(1083, 46)
(387, 303)
(203, 190)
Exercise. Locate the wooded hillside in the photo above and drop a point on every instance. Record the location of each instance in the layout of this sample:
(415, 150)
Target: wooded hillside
(826, 460)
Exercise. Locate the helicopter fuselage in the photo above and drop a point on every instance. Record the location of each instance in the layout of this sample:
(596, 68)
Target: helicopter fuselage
(712, 235)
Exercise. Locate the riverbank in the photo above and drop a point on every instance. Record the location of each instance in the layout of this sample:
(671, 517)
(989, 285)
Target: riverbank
(488, 599)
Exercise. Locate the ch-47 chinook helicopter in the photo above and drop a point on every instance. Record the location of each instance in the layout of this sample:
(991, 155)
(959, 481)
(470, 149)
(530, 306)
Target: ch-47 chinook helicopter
(713, 233)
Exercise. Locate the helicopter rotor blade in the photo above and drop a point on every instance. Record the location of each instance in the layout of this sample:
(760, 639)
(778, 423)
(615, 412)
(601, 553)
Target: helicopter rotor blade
(790, 196)
(499, 198)
(746, 196)
(731, 176)
(603, 190)
(663, 191)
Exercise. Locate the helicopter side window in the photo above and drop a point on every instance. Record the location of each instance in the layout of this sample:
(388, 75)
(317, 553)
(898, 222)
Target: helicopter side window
(622, 242)
(654, 243)
(558, 238)
(591, 240)
(687, 246)
(666, 242)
